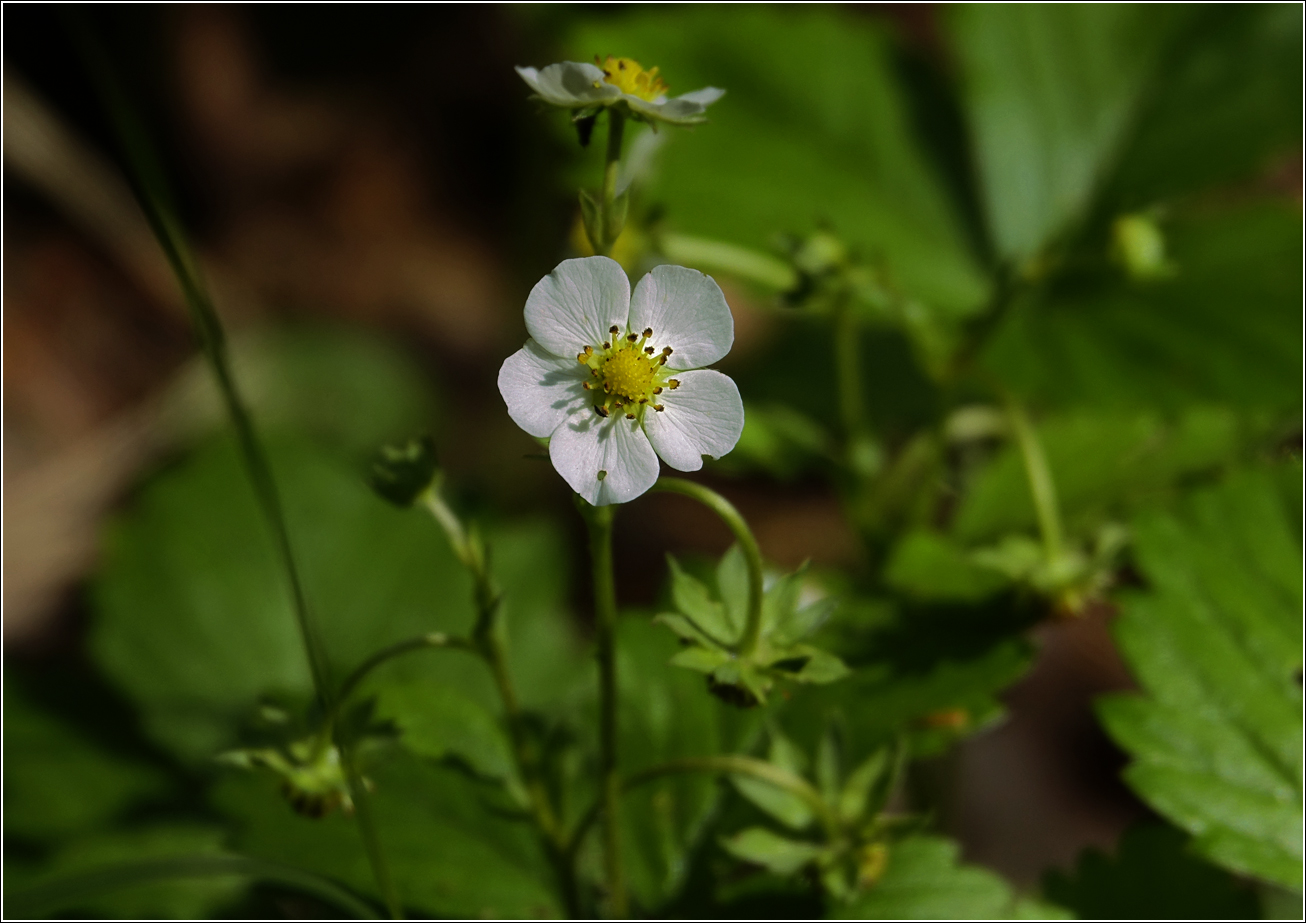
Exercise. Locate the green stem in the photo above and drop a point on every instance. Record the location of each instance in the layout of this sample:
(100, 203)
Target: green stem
(73, 890)
(747, 543)
(434, 639)
(488, 643)
(371, 840)
(151, 188)
(1042, 489)
(718, 256)
(599, 520)
(729, 765)
(609, 220)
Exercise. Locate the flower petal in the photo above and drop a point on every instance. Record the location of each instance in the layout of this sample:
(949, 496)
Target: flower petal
(569, 84)
(704, 416)
(687, 312)
(686, 109)
(587, 444)
(573, 306)
(541, 389)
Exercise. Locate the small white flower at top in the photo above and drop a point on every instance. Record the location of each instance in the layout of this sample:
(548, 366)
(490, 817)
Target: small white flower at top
(618, 82)
(616, 380)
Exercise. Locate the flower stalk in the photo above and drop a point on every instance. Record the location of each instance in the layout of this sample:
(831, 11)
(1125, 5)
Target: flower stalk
(747, 543)
(612, 212)
(599, 520)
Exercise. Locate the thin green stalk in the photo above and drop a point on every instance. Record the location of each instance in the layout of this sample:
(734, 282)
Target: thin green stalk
(487, 642)
(431, 640)
(1042, 489)
(151, 188)
(362, 799)
(747, 543)
(599, 520)
(70, 891)
(730, 765)
(609, 219)
(718, 256)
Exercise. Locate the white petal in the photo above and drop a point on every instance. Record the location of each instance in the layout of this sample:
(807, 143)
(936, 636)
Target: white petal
(687, 312)
(704, 416)
(541, 389)
(686, 109)
(573, 306)
(569, 84)
(587, 444)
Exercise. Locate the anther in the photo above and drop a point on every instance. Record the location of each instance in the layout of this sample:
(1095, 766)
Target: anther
(648, 332)
(630, 416)
(659, 408)
(614, 329)
(600, 410)
(582, 358)
(631, 337)
(649, 350)
(667, 350)
(585, 385)
(603, 472)
(621, 64)
(657, 390)
(673, 383)
(589, 350)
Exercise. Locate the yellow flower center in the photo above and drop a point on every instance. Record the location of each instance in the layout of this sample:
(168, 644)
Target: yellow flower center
(626, 374)
(627, 76)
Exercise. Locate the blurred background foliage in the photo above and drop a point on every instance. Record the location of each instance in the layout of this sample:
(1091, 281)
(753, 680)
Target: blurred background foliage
(1067, 233)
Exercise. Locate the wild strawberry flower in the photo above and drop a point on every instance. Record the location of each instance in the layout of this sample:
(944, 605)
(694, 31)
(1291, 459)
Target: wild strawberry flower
(616, 380)
(618, 81)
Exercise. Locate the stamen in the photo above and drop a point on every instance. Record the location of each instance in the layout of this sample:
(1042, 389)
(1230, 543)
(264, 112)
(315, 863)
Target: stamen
(630, 416)
(659, 408)
(649, 350)
(600, 410)
(667, 350)
(673, 383)
(648, 332)
(631, 337)
(614, 329)
(657, 390)
(582, 358)
(589, 350)
(585, 385)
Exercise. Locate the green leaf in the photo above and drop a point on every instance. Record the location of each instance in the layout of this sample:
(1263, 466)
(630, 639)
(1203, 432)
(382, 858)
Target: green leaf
(694, 600)
(194, 620)
(183, 898)
(450, 854)
(701, 659)
(856, 795)
(1049, 92)
(924, 880)
(1222, 329)
(1216, 645)
(927, 566)
(732, 584)
(1151, 877)
(814, 116)
(1227, 99)
(784, 806)
(57, 783)
(762, 847)
(438, 722)
(1103, 464)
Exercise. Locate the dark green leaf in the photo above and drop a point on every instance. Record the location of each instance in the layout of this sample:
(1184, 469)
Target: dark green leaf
(57, 783)
(1050, 91)
(924, 880)
(1216, 645)
(1151, 877)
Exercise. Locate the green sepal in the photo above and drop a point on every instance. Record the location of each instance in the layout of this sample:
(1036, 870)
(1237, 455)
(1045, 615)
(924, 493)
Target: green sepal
(402, 472)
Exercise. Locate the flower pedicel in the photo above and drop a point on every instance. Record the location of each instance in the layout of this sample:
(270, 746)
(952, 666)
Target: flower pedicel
(616, 379)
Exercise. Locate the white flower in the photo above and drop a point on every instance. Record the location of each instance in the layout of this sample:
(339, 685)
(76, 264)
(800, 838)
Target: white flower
(618, 81)
(616, 380)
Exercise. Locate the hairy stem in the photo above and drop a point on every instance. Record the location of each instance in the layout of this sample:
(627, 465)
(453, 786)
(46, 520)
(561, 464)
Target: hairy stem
(488, 643)
(608, 218)
(599, 520)
(747, 543)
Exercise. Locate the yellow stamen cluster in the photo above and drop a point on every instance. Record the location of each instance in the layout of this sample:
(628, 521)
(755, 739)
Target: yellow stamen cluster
(627, 76)
(626, 374)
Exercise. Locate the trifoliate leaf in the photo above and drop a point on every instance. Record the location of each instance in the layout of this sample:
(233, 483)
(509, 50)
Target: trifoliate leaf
(1216, 646)
(695, 601)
